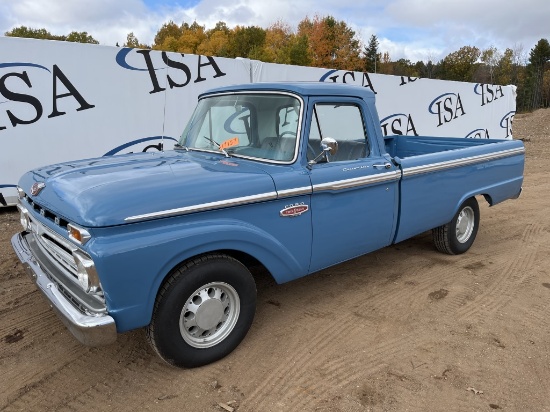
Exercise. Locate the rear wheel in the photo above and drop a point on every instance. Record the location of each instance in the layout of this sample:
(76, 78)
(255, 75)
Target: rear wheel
(203, 311)
(458, 235)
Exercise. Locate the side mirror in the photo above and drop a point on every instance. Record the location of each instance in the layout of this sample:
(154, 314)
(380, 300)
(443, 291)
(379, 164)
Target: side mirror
(328, 146)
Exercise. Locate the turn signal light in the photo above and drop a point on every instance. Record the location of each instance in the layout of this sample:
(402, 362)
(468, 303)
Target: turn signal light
(78, 234)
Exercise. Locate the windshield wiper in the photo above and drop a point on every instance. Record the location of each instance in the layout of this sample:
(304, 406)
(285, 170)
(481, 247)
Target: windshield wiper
(178, 146)
(217, 145)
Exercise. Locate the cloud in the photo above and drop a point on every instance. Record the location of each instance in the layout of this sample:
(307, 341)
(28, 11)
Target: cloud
(411, 29)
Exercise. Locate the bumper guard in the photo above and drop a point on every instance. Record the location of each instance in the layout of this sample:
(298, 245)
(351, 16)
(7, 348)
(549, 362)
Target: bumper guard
(89, 330)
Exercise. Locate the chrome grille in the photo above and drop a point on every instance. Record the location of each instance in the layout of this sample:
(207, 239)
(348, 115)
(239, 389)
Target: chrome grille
(56, 248)
(54, 255)
(57, 251)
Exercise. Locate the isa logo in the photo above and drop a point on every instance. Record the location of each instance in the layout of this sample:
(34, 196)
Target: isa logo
(361, 79)
(28, 91)
(506, 123)
(186, 69)
(488, 93)
(398, 124)
(447, 107)
(478, 134)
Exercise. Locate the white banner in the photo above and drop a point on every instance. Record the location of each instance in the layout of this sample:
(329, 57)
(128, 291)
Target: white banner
(417, 106)
(62, 101)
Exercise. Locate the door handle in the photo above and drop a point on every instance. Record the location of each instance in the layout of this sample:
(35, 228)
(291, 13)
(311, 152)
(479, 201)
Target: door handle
(386, 165)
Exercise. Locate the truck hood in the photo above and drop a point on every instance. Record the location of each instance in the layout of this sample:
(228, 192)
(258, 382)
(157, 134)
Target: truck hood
(115, 190)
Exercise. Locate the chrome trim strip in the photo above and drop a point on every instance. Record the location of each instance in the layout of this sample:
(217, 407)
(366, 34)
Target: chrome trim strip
(298, 191)
(238, 201)
(263, 197)
(434, 167)
(358, 181)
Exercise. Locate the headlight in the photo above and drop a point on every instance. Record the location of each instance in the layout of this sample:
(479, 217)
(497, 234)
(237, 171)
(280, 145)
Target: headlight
(87, 275)
(24, 218)
(79, 235)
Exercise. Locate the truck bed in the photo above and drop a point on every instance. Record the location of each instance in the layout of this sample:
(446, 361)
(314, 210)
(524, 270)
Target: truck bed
(438, 172)
(408, 146)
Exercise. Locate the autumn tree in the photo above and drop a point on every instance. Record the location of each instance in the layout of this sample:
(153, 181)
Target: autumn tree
(385, 65)
(216, 42)
(278, 38)
(133, 42)
(167, 36)
(331, 43)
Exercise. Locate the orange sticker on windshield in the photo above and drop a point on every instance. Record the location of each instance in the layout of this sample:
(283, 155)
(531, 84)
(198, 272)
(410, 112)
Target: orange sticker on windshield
(229, 143)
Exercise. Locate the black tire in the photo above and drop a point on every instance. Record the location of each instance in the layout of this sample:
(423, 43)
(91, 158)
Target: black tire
(203, 311)
(458, 235)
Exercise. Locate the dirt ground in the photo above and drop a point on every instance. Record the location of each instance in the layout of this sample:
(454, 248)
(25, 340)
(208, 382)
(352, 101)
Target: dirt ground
(402, 329)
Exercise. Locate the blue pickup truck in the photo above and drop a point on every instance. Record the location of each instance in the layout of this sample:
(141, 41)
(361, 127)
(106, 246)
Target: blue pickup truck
(294, 177)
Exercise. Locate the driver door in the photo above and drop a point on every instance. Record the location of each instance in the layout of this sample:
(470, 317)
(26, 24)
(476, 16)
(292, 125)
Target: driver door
(354, 199)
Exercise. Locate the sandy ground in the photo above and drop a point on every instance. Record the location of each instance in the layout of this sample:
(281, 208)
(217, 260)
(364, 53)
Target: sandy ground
(402, 329)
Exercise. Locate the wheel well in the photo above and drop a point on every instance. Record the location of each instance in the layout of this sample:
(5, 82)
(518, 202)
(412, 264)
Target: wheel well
(250, 262)
(487, 198)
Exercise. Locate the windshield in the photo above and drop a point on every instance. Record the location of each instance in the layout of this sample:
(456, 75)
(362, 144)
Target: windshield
(260, 125)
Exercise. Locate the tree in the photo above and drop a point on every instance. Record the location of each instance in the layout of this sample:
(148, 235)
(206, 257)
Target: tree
(28, 32)
(80, 37)
(505, 68)
(371, 54)
(385, 65)
(247, 42)
(461, 64)
(133, 42)
(278, 38)
(490, 57)
(299, 53)
(332, 43)
(43, 34)
(191, 38)
(168, 30)
(538, 59)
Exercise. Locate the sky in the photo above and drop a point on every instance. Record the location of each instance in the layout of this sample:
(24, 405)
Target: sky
(411, 29)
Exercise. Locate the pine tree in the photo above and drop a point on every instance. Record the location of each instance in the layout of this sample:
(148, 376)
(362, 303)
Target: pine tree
(371, 54)
(538, 58)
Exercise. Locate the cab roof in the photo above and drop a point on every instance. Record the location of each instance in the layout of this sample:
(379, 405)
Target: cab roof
(301, 88)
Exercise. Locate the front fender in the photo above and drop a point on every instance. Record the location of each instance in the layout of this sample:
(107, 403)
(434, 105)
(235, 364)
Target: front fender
(132, 265)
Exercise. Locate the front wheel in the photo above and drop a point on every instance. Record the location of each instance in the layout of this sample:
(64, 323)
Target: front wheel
(203, 311)
(458, 235)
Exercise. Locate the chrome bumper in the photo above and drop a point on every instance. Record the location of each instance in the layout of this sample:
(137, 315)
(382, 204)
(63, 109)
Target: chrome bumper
(89, 330)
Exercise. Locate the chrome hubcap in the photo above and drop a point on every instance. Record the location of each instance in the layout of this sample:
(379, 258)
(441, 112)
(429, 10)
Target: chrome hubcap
(465, 224)
(209, 315)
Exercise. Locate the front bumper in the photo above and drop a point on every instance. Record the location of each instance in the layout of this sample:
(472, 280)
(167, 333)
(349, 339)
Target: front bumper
(90, 330)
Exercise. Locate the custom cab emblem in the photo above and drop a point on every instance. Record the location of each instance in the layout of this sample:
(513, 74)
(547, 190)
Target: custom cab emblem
(37, 187)
(294, 210)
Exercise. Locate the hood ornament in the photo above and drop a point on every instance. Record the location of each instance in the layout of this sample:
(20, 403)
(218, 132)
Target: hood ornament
(37, 187)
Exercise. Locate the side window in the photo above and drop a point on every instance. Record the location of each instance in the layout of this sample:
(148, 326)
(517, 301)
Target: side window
(342, 122)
